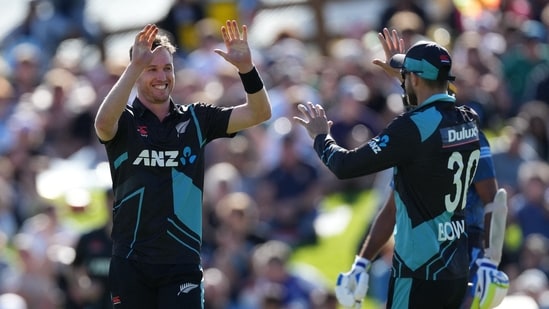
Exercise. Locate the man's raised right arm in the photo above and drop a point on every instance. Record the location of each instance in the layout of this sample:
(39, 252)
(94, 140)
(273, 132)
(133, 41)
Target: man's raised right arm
(110, 110)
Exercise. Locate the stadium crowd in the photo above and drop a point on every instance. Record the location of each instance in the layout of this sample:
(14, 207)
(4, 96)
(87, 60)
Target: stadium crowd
(264, 188)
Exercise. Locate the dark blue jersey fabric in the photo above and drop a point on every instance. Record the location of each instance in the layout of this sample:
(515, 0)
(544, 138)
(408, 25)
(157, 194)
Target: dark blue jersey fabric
(475, 207)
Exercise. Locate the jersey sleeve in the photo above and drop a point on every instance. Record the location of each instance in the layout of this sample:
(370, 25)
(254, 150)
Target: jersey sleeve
(213, 120)
(393, 146)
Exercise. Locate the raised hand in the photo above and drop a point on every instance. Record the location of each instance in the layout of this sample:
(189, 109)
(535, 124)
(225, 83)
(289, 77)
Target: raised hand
(238, 51)
(392, 44)
(141, 49)
(314, 119)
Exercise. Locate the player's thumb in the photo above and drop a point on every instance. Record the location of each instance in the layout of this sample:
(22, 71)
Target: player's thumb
(389, 70)
(221, 53)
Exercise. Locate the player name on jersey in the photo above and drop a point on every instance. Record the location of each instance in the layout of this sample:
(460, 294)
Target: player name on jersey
(450, 230)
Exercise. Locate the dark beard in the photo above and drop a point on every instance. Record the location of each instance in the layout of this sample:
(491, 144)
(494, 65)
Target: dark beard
(412, 99)
(409, 99)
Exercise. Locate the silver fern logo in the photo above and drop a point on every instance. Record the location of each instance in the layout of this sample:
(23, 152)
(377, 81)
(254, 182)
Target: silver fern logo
(186, 288)
(181, 127)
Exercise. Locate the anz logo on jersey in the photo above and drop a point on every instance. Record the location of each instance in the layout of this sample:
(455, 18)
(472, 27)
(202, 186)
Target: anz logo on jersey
(378, 143)
(459, 135)
(165, 158)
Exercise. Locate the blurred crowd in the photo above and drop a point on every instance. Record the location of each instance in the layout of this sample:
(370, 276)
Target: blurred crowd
(264, 188)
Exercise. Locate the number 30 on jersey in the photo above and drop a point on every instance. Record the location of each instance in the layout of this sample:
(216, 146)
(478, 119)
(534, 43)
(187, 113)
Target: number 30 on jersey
(463, 175)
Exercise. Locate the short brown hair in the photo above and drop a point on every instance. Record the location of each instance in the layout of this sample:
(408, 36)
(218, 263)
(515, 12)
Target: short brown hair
(160, 40)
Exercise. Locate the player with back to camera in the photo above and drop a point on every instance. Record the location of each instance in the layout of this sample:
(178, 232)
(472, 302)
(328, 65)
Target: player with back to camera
(434, 150)
(486, 293)
(156, 150)
(487, 285)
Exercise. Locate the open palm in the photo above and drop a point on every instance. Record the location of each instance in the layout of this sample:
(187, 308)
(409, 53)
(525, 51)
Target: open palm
(238, 51)
(392, 44)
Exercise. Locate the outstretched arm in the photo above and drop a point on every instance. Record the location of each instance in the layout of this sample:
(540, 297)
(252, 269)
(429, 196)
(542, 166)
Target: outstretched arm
(110, 110)
(257, 107)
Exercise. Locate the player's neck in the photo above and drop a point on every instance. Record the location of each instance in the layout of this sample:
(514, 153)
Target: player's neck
(161, 110)
(424, 93)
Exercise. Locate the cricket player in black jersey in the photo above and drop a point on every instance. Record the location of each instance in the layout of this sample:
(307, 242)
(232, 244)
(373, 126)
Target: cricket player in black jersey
(487, 285)
(434, 151)
(155, 148)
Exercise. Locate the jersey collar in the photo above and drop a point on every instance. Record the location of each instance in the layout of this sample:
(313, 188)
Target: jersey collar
(439, 97)
(139, 108)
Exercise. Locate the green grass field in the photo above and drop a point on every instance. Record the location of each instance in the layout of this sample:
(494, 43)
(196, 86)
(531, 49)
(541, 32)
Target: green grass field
(335, 253)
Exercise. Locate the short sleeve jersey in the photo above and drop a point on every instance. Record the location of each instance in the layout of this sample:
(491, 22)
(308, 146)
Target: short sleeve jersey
(434, 151)
(157, 169)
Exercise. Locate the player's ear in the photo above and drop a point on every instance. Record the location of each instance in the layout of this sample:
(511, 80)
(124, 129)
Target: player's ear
(414, 79)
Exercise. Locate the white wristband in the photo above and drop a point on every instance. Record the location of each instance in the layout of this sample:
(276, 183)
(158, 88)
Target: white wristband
(361, 262)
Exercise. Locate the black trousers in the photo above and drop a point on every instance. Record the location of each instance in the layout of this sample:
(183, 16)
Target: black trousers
(137, 285)
(414, 293)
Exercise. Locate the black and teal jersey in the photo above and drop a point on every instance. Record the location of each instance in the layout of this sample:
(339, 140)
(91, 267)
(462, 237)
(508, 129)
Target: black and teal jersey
(434, 152)
(157, 170)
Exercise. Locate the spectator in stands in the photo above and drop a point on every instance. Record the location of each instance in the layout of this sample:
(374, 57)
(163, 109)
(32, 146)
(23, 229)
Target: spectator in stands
(180, 21)
(510, 151)
(520, 60)
(238, 233)
(290, 192)
(535, 115)
(275, 284)
(88, 277)
(530, 206)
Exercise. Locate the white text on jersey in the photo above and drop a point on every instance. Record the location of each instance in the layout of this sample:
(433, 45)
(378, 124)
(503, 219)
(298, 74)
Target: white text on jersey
(459, 135)
(450, 230)
(157, 158)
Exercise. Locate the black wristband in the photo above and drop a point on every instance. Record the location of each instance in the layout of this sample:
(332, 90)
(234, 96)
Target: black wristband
(252, 81)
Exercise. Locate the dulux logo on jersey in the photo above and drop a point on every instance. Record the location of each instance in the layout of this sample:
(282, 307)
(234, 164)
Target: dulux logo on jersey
(459, 135)
(379, 142)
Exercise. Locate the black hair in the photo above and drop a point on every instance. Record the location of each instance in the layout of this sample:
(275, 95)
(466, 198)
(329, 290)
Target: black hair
(436, 84)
